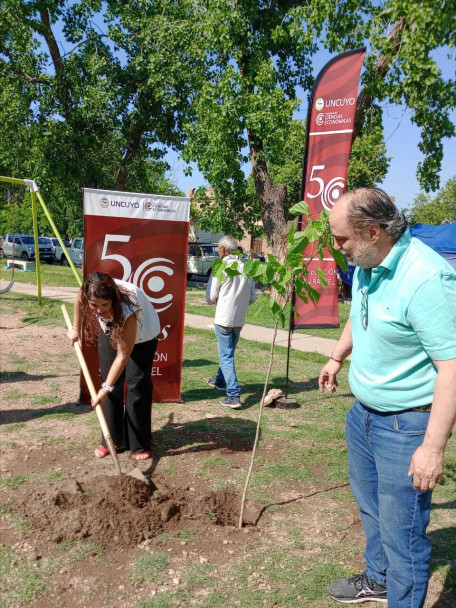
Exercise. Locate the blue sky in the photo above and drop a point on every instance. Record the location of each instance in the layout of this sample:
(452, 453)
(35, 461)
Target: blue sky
(401, 136)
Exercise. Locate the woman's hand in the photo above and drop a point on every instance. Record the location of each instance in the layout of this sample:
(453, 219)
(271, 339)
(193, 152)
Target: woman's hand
(101, 397)
(73, 336)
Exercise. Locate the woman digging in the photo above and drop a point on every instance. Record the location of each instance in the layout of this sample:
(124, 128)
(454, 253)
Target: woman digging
(126, 347)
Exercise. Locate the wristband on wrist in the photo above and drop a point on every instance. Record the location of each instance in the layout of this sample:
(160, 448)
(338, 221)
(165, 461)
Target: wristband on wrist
(336, 360)
(107, 387)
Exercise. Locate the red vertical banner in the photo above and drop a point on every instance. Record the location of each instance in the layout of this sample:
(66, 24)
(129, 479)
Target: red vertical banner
(330, 122)
(143, 239)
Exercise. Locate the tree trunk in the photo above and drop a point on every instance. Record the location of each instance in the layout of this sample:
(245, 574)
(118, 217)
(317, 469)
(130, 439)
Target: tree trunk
(382, 65)
(258, 427)
(272, 200)
(63, 88)
(133, 147)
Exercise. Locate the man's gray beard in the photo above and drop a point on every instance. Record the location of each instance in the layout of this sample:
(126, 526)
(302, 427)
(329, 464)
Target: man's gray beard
(364, 255)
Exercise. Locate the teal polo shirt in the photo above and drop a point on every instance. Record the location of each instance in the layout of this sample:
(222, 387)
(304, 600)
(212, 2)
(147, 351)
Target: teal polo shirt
(411, 322)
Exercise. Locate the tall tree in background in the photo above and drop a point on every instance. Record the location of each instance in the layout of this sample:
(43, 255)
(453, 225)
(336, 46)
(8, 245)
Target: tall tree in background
(83, 105)
(435, 210)
(93, 92)
(258, 53)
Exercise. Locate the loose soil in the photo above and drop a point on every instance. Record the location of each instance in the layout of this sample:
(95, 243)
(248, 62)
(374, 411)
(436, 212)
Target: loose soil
(56, 494)
(121, 511)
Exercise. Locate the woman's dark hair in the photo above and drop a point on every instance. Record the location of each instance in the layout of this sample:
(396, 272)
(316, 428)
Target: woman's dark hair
(102, 285)
(373, 206)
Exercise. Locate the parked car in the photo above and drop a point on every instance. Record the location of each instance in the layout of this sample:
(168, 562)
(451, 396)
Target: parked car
(76, 251)
(23, 246)
(1, 247)
(56, 249)
(201, 256)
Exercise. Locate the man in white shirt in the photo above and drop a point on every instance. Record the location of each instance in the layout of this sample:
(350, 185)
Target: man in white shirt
(232, 297)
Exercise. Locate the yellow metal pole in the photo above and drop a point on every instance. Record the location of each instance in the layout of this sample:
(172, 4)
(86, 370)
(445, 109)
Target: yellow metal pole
(37, 248)
(34, 191)
(12, 180)
(59, 238)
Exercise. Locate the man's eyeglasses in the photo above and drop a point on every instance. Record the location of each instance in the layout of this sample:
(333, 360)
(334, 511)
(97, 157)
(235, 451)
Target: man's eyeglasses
(364, 313)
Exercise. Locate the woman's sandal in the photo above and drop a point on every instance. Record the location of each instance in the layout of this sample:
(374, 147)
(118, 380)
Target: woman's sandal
(101, 452)
(141, 455)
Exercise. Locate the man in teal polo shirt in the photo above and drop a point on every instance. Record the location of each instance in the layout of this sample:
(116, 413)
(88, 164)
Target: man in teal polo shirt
(401, 335)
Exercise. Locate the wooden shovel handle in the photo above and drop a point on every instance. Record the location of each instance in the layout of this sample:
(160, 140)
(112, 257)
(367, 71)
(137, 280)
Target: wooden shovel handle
(93, 392)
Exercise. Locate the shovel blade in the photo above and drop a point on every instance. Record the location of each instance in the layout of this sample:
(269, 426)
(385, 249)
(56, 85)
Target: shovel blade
(137, 474)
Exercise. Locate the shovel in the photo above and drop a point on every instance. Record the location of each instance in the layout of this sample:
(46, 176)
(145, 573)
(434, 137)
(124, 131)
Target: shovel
(136, 473)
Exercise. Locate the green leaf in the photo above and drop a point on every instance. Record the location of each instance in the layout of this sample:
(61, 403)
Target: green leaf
(313, 294)
(322, 277)
(340, 259)
(298, 244)
(275, 308)
(301, 208)
(291, 232)
(216, 265)
(278, 287)
(232, 271)
(270, 272)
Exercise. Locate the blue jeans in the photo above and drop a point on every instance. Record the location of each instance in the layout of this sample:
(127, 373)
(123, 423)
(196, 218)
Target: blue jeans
(394, 515)
(227, 339)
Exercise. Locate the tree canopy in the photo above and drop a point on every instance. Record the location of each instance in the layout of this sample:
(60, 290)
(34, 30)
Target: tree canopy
(93, 93)
(258, 54)
(435, 210)
(75, 110)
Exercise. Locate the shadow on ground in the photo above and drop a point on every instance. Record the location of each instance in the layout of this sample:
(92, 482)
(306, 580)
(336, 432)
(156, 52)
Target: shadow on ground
(25, 415)
(196, 362)
(253, 390)
(204, 435)
(23, 377)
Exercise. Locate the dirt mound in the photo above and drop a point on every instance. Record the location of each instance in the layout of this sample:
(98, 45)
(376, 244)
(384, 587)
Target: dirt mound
(224, 506)
(121, 511)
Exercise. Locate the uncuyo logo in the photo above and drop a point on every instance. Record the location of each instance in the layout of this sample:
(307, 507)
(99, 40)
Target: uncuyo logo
(104, 202)
(319, 104)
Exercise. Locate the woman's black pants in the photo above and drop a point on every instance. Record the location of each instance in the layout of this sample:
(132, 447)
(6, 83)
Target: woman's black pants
(129, 420)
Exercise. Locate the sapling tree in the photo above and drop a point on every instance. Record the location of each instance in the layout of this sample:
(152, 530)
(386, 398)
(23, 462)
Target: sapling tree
(284, 275)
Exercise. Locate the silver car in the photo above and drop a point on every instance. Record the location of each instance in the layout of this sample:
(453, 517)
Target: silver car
(56, 249)
(75, 250)
(23, 246)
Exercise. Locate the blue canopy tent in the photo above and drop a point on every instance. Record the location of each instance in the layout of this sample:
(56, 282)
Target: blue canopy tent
(440, 238)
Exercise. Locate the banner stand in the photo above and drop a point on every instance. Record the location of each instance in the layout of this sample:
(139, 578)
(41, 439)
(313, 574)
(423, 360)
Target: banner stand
(143, 239)
(329, 131)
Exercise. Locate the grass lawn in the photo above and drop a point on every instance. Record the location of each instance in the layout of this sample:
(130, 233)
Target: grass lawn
(49, 313)
(51, 274)
(259, 314)
(308, 533)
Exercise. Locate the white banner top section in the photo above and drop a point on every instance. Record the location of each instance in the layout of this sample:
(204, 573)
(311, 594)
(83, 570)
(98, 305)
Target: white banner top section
(109, 203)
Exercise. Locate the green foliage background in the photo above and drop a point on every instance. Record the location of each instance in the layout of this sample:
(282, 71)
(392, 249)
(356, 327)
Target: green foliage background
(435, 210)
(93, 94)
